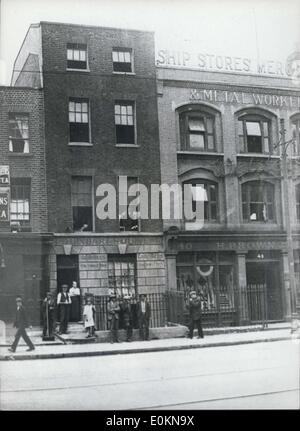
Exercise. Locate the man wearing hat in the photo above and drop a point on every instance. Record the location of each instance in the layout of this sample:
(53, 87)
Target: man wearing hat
(126, 314)
(64, 302)
(194, 307)
(113, 310)
(48, 315)
(144, 313)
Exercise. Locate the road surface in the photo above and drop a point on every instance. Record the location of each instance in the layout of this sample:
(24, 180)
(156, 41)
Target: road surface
(259, 376)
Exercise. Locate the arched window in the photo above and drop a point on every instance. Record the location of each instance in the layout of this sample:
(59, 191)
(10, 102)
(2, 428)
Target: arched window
(296, 135)
(254, 134)
(204, 191)
(297, 192)
(258, 201)
(197, 129)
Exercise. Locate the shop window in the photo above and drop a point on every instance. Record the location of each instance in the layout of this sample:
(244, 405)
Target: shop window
(297, 191)
(254, 134)
(197, 131)
(20, 200)
(18, 133)
(258, 201)
(122, 275)
(124, 122)
(79, 120)
(82, 204)
(128, 220)
(77, 56)
(296, 135)
(122, 60)
(206, 192)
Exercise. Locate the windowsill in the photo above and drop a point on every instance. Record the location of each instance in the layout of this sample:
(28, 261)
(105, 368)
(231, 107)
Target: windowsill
(127, 145)
(123, 73)
(20, 154)
(78, 70)
(266, 156)
(80, 144)
(198, 153)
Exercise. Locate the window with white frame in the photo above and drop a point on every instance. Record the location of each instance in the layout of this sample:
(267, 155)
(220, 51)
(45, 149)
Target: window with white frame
(206, 192)
(254, 134)
(125, 122)
(77, 56)
(79, 120)
(20, 200)
(18, 133)
(258, 201)
(197, 131)
(82, 203)
(122, 60)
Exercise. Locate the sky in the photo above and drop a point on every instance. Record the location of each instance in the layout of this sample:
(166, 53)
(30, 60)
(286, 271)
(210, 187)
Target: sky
(262, 30)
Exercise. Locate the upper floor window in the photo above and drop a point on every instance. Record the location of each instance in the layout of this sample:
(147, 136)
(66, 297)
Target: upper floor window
(297, 191)
(128, 220)
(79, 120)
(207, 193)
(124, 122)
(82, 203)
(296, 136)
(254, 134)
(197, 131)
(258, 201)
(122, 60)
(76, 56)
(20, 200)
(18, 133)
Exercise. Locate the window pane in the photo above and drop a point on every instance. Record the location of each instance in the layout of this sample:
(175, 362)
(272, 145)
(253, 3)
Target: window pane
(76, 55)
(240, 127)
(210, 142)
(82, 56)
(266, 129)
(266, 145)
(117, 109)
(78, 117)
(71, 106)
(115, 56)
(69, 54)
(78, 107)
(197, 141)
(129, 110)
(71, 117)
(209, 124)
(121, 57)
(196, 125)
(253, 128)
(123, 119)
(127, 57)
(84, 107)
(123, 110)
(85, 118)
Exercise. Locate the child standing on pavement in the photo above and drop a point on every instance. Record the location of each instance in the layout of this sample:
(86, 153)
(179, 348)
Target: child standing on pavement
(89, 317)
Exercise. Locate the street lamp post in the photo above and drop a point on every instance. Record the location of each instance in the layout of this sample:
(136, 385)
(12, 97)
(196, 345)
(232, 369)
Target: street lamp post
(284, 155)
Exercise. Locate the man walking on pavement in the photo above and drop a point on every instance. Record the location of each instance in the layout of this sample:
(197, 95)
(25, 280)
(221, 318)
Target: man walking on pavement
(64, 302)
(144, 313)
(21, 324)
(194, 307)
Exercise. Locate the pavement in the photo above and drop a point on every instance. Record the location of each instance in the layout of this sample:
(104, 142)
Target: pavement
(215, 337)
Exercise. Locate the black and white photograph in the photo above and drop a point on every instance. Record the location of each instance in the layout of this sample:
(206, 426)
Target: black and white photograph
(149, 207)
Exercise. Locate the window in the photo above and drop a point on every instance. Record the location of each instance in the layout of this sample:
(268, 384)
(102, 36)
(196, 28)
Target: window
(128, 221)
(20, 200)
(297, 190)
(122, 60)
(206, 192)
(254, 134)
(258, 201)
(296, 136)
(197, 131)
(82, 203)
(18, 133)
(79, 120)
(124, 121)
(76, 56)
(122, 275)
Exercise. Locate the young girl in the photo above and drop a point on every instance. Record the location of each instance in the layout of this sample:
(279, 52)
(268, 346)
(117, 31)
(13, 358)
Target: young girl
(89, 317)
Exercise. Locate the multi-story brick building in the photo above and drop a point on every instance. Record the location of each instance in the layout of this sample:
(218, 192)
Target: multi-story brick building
(23, 220)
(220, 133)
(101, 124)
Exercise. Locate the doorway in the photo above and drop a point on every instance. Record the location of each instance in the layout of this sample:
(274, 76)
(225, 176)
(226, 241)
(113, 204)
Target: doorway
(267, 272)
(67, 270)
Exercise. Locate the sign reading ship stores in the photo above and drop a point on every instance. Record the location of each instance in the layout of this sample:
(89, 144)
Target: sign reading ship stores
(218, 96)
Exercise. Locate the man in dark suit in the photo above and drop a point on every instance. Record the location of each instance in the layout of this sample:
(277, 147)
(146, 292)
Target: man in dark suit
(194, 307)
(126, 314)
(113, 310)
(21, 325)
(144, 314)
(64, 302)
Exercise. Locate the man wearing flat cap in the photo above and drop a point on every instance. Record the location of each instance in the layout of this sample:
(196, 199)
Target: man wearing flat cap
(194, 307)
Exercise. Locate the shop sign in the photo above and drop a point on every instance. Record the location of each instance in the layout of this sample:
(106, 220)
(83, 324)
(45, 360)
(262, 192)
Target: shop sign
(4, 204)
(4, 175)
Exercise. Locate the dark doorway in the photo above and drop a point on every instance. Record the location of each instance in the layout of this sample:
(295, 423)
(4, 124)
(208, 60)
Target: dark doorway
(268, 273)
(67, 270)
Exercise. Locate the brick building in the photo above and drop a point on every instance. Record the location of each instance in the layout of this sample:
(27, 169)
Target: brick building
(220, 134)
(23, 220)
(101, 124)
